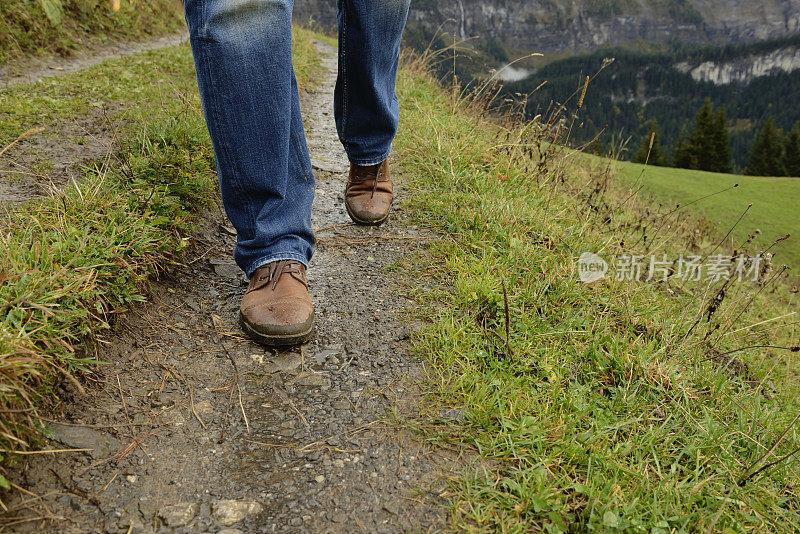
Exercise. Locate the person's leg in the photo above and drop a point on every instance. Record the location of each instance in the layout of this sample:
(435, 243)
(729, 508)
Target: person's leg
(365, 104)
(242, 51)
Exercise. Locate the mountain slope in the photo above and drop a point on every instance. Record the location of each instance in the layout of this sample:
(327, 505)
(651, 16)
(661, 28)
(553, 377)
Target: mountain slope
(549, 25)
(753, 82)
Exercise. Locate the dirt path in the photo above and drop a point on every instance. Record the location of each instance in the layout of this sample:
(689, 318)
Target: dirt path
(33, 69)
(195, 429)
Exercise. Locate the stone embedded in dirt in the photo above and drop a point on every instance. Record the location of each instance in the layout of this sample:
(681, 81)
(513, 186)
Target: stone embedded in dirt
(173, 416)
(313, 380)
(178, 515)
(148, 506)
(230, 230)
(165, 399)
(230, 531)
(101, 445)
(228, 512)
(284, 363)
(203, 407)
(328, 166)
(225, 268)
(112, 408)
(326, 355)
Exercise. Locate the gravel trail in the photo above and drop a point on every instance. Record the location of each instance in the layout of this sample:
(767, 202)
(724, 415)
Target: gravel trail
(193, 428)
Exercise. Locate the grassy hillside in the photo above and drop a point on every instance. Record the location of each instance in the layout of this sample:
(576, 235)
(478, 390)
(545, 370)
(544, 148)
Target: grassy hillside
(36, 27)
(774, 212)
(616, 406)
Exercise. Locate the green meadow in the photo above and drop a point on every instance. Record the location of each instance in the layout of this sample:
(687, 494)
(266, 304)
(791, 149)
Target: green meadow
(775, 203)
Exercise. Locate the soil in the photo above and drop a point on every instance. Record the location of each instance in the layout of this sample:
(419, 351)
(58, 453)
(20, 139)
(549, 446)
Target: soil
(36, 165)
(193, 428)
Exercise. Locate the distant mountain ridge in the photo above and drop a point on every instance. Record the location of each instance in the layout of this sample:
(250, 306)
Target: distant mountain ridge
(670, 56)
(548, 25)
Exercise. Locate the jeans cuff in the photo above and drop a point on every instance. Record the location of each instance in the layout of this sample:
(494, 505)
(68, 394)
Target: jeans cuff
(366, 162)
(278, 256)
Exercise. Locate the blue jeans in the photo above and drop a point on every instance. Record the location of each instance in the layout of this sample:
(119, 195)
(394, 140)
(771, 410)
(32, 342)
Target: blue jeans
(242, 53)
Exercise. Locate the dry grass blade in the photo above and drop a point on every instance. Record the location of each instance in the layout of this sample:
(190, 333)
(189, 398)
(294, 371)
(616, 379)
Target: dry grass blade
(766, 455)
(47, 451)
(509, 351)
(217, 322)
(25, 135)
(194, 411)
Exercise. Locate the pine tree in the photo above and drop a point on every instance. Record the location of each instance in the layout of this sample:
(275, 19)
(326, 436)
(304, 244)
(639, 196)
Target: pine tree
(791, 153)
(701, 140)
(707, 148)
(766, 156)
(652, 155)
(683, 156)
(720, 143)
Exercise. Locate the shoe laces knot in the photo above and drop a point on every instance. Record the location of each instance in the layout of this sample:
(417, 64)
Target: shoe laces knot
(376, 177)
(277, 269)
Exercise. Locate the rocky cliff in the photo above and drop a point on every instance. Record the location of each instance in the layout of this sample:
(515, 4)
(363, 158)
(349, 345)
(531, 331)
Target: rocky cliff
(743, 70)
(547, 25)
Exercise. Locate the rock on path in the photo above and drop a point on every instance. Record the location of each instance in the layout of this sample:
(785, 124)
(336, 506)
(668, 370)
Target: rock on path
(213, 433)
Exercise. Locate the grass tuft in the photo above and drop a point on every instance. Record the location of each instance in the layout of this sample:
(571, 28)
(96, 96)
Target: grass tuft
(74, 261)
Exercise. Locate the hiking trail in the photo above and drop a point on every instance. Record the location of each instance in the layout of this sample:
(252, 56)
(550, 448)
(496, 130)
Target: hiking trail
(194, 428)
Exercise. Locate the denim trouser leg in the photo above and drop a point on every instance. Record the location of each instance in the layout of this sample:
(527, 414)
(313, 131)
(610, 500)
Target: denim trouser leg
(365, 105)
(242, 51)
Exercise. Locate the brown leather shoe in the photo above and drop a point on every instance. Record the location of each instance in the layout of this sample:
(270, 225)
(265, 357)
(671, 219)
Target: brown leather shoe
(276, 310)
(368, 196)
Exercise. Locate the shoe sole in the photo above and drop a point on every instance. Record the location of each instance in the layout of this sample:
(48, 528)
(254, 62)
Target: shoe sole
(276, 340)
(366, 223)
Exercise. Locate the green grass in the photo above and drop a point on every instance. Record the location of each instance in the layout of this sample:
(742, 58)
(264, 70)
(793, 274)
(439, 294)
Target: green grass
(27, 29)
(74, 261)
(598, 406)
(775, 202)
(143, 82)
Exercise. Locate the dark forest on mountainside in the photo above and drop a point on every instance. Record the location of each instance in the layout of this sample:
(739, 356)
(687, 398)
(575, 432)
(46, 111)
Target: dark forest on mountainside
(636, 89)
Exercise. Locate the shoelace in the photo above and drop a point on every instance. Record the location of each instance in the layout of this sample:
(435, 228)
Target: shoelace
(362, 179)
(278, 268)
